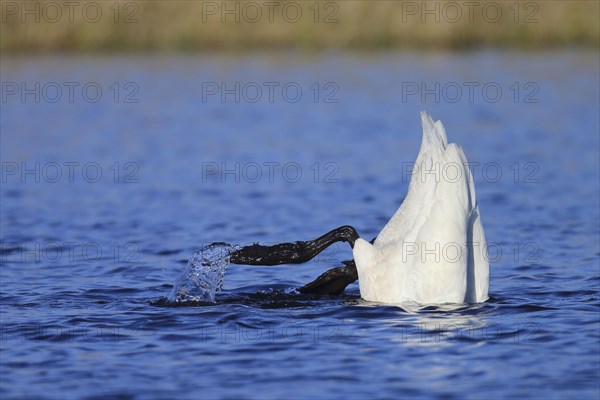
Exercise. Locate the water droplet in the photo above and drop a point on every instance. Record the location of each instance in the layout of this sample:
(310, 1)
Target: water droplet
(203, 276)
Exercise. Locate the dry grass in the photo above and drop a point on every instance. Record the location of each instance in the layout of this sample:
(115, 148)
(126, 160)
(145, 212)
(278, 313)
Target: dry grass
(187, 25)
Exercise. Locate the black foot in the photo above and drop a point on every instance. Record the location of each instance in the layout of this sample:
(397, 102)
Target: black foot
(333, 281)
(292, 253)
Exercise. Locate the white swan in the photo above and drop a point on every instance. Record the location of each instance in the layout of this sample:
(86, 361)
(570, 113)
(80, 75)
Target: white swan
(433, 250)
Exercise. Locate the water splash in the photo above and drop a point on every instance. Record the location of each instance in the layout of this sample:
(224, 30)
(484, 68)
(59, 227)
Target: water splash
(203, 276)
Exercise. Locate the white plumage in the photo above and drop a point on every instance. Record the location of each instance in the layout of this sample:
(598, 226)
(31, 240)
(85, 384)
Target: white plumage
(433, 249)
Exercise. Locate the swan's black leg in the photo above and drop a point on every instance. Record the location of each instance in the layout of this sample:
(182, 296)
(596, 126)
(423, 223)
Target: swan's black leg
(292, 253)
(332, 282)
(335, 280)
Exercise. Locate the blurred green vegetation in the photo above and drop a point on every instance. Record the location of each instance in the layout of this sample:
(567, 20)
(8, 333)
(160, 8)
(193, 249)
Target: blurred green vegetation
(45, 26)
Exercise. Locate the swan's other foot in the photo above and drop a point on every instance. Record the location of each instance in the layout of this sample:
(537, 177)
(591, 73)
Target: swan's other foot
(333, 281)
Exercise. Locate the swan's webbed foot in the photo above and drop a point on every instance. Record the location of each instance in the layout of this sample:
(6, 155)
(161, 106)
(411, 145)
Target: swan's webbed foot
(335, 280)
(332, 282)
(292, 253)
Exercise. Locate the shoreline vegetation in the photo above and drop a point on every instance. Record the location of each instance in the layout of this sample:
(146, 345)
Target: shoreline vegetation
(195, 26)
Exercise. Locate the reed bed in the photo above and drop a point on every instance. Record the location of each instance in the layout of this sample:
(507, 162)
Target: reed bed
(46, 26)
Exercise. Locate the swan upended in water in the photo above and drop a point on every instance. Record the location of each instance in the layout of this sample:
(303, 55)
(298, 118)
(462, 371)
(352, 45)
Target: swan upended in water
(433, 248)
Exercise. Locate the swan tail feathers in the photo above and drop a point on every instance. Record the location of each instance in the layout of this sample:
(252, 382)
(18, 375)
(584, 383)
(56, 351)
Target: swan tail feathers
(365, 255)
(481, 266)
(434, 134)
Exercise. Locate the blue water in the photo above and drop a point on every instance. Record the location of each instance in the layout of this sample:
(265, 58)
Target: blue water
(88, 259)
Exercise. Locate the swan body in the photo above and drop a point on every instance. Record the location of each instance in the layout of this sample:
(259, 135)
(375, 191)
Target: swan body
(433, 249)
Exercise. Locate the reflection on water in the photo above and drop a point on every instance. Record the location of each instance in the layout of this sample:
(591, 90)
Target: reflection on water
(85, 255)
